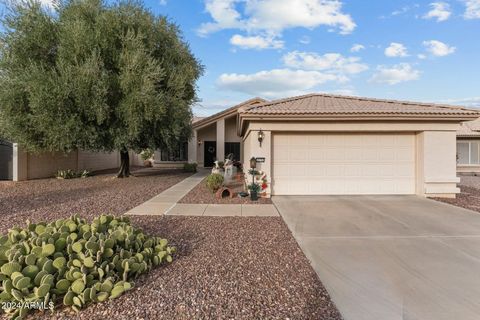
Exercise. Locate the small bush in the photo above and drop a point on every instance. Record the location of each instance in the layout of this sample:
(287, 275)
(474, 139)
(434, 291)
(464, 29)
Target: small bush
(73, 261)
(190, 167)
(70, 174)
(146, 154)
(214, 181)
(254, 187)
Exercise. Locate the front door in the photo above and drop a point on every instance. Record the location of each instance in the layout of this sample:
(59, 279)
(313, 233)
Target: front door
(209, 153)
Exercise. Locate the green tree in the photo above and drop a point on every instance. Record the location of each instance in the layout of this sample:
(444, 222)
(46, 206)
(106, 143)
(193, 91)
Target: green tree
(94, 76)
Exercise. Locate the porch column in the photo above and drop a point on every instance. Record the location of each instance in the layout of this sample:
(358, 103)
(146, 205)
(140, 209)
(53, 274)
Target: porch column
(192, 147)
(221, 139)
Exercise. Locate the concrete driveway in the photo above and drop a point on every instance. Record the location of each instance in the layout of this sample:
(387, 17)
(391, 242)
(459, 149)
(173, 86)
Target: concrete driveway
(390, 257)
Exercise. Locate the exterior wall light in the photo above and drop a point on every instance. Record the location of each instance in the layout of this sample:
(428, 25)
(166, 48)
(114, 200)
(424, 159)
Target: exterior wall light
(261, 136)
(199, 142)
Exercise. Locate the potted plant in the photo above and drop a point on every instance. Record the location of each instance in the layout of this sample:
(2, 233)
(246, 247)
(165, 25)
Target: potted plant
(254, 189)
(147, 155)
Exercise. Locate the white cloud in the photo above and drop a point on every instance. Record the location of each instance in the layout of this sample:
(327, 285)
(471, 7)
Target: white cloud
(274, 16)
(405, 9)
(329, 62)
(468, 102)
(396, 50)
(275, 83)
(440, 11)
(395, 74)
(421, 56)
(163, 2)
(401, 11)
(224, 14)
(304, 40)
(357, 47)
(472, 10)
(344, 92)
(256, 42)
(438, 48)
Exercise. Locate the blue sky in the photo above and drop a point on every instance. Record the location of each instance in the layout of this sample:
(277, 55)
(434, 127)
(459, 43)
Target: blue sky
(405, 50)
(410, 50)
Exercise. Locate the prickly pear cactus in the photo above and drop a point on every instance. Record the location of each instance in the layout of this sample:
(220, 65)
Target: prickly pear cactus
(73, 262)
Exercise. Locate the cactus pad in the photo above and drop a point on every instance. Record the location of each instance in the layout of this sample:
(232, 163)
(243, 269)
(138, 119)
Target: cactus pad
(10, 267)
(84, 263)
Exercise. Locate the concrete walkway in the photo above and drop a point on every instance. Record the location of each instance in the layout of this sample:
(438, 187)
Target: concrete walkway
(390, 257)
(166, 203)
(163, 202)
(223, 210)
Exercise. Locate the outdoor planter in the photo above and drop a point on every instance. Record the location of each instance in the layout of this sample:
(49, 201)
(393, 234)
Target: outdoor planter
(224, 192)
(253, 195)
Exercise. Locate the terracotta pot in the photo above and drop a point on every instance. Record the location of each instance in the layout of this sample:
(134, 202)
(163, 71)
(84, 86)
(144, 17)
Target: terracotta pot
(147, 163)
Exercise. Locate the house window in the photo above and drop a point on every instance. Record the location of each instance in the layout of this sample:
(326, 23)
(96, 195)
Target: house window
(234, 148)
(177, 154)
(468, 152)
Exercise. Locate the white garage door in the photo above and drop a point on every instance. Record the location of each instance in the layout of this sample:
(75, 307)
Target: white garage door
(343, 164)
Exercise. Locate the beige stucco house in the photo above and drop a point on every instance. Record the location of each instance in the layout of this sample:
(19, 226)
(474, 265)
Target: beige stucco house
(468, 147)
(335, 145)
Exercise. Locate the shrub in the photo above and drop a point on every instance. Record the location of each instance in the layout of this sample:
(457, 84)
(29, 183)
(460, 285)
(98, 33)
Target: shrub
(146, 154)
(254, 187)
(85, 174)
(65, 174)
(75, 262)
(190, 167)
(214, 181)
(70, 174)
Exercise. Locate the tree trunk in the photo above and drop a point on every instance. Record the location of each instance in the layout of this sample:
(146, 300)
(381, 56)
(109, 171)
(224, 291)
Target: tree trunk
(124, 165)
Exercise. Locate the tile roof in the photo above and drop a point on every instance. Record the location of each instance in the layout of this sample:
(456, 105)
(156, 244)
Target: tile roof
(323, 104)
(469, 129)
(196, 119)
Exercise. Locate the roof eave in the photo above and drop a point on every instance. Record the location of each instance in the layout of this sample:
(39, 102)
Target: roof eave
(243, 117)
(227, 112)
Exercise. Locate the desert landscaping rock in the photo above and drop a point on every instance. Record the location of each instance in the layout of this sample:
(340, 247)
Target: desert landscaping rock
(469, 198)
(201, 194)
(225, 268)
(47, 199)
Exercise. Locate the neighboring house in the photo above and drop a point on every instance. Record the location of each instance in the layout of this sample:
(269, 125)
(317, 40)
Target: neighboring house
(468, 147)
(27, 166)
(335, 145)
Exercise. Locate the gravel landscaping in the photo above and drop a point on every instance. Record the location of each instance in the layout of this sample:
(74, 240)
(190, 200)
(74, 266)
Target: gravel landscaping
(201, 194)
(47, 199)
(469, 197)
(226, 267)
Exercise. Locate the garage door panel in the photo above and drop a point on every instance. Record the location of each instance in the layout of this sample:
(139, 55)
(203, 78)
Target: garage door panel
(316, 154)
(405, 154)
(343, 164)
(316, 171)
(335, 154)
